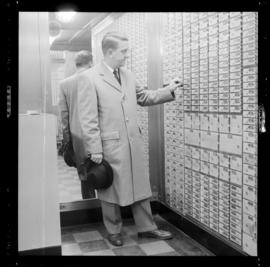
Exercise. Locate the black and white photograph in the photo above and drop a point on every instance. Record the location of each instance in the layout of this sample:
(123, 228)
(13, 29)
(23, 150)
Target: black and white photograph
(138, 133)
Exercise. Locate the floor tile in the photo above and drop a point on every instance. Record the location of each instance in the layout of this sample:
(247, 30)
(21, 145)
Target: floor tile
(129, 241)
(70, 189)
(143, 240)
(156, 247)
(70, 230)
(64, 194)
(87, 236)
(130, 230)
(66, 199)
(107, 252)
(181, 241)
(189, 248)
(75, 191)
(128, 251)
(176, 244)
(192, 250)
(74, 197)
(68, 239)
(173, 253)
(71, 249)
(93, 246)
(102, 231)
(99, 227)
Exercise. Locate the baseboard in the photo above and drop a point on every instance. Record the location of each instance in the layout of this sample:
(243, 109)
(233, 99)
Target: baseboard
(47, 251)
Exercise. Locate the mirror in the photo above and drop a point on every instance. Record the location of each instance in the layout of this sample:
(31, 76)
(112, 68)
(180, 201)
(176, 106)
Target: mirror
(68, 33)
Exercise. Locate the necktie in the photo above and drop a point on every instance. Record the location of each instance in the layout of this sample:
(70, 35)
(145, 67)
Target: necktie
(116, 75)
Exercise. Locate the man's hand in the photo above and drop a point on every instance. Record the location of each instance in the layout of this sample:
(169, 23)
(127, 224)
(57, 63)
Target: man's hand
(97, 157)
(174, 84)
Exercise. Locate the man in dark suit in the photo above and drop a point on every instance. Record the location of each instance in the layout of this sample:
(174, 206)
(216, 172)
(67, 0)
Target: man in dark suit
(69, 113)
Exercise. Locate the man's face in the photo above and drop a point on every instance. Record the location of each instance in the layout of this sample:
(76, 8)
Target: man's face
(120, 54)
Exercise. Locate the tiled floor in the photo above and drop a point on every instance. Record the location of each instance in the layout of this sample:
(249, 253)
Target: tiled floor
(91, 239)
(69, 183)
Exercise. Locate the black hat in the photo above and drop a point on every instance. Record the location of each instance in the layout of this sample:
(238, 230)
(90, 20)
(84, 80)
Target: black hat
(99, 176)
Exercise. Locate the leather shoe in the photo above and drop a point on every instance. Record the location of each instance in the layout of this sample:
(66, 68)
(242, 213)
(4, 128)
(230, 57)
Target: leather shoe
(159, 234)
(115, 239)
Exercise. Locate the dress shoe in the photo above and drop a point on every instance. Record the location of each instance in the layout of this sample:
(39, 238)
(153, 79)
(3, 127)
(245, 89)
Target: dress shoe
(115, 239)
(158, 234)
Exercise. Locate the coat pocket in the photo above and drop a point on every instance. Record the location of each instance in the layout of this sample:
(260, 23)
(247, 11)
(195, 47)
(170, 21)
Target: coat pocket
(110, 145)
(110, 135)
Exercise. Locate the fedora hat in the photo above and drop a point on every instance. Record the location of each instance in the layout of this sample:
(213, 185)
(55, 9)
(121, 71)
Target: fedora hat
(99, 176)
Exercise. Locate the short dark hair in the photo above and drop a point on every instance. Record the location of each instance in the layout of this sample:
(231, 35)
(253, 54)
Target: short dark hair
(83, 58)
(110, 39)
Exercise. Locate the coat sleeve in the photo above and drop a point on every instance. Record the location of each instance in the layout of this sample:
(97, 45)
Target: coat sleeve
(88, 115)
(152, 97)
(64, 114)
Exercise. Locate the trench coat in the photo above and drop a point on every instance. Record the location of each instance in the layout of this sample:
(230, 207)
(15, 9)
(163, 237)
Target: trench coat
(107, 123)
(69, 113)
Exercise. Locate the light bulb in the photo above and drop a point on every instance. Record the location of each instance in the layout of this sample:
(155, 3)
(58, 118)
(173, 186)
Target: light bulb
(65, 16)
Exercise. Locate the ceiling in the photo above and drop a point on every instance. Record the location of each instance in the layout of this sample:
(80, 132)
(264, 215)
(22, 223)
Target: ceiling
(76, 34)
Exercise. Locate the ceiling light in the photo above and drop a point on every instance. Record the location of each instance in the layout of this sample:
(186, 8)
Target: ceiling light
(65, 16)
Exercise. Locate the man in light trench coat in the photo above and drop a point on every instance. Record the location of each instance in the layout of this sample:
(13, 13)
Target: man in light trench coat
(107, 99)
(68, 109)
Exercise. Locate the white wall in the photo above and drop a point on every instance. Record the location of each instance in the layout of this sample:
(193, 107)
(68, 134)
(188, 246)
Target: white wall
(34, 64)
(39, 214)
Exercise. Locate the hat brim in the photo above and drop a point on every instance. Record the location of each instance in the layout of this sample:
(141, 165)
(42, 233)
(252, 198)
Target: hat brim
(92, 179)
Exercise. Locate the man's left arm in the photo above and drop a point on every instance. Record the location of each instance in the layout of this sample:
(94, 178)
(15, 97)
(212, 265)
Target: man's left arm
(162, 95)
(64, 114)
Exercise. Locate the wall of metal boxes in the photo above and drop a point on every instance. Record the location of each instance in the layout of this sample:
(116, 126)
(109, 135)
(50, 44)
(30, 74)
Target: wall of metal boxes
(210, 131)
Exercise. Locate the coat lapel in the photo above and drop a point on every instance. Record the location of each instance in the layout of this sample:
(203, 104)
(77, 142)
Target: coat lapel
(108, 77)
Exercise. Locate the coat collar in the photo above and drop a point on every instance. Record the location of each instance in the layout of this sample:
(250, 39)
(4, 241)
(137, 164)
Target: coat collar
(108, 77)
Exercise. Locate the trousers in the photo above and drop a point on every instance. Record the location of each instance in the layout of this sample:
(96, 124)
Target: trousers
(141, 211)
(87, 191)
